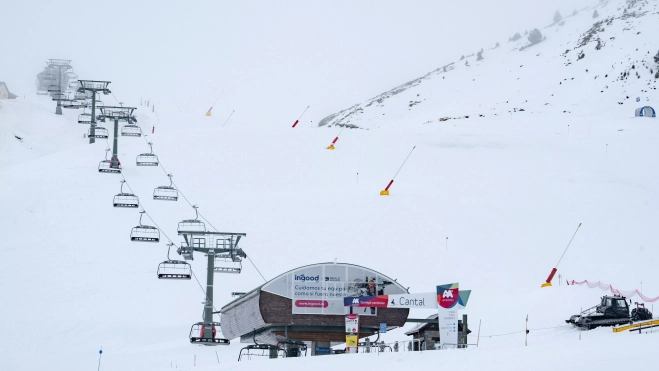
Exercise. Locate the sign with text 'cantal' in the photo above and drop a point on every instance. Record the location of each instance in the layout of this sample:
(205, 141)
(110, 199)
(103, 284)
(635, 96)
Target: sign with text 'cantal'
(427, 300)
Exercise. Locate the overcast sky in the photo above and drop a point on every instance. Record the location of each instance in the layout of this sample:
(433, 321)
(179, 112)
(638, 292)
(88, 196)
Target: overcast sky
(272, 58)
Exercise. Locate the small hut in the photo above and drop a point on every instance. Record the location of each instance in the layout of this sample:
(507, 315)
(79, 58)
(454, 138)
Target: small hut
(5, 93)
(425, 336)
(646, 111)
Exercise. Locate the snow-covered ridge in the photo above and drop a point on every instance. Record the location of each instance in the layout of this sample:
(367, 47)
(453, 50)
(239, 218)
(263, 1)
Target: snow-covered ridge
(611, 43)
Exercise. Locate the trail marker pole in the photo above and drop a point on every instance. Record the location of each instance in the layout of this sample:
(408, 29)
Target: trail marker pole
(100, 353)
(298, 119)
(385, 192)
(580, 318)
(210, 109)
(331, 146)
(478, 339)
(357, 178)
(225, 122)
(553, 271)
(446, 243)
(526, 341)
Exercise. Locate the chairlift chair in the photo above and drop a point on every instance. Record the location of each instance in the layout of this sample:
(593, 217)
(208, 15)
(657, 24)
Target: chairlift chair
(106, 165)
(197, 334)
(144, 233)
(192, 225)
(125, 199)
(98, 132)
(147, 159)
(174, 269)
(72, 104)
(85, 118)
(166, 193)
(131, 131)
(228, 262)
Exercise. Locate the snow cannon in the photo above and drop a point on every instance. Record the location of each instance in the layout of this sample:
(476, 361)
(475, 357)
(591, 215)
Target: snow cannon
(551, 276)
(331, 146)
(385, 192)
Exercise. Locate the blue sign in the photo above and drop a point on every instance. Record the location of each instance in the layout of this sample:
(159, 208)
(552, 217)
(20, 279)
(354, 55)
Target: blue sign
(383, 328)
(322, 350)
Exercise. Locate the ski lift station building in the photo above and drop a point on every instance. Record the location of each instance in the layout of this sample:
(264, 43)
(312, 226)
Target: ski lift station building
(306, 304)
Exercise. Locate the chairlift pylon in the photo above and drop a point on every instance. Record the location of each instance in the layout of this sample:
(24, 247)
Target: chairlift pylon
(166, 193)
(174, 269)
(144, 233)
(192, 225)
(106, 166)
(125, 199)
(147, 159)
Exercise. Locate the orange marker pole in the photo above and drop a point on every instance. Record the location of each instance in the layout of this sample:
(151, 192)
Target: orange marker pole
(385, 192)
(298, 119)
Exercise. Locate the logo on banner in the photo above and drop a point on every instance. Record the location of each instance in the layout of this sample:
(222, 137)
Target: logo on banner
(366, 301)
(448, 295)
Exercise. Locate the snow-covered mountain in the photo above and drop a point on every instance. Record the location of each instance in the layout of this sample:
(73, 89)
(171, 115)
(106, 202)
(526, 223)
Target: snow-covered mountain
(599, 59)
(489, 201)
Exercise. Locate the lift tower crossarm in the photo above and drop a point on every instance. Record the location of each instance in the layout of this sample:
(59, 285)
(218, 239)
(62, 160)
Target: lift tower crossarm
(117, 114)
(94, 86)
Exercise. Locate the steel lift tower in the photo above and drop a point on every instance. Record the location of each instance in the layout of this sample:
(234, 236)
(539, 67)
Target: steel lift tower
(117, 114)
(94, 87)
(62, 65)
(220, 248)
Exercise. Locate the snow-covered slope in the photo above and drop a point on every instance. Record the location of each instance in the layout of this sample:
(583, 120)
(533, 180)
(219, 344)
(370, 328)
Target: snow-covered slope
(584, 66)
(507, 191)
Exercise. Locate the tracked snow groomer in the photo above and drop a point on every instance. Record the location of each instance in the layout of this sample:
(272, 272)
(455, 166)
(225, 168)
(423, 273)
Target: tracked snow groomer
(613, 310)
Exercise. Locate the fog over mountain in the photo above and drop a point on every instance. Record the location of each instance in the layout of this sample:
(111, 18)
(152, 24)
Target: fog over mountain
(271, 58)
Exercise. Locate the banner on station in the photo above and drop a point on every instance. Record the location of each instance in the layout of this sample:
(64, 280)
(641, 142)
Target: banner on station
(427, 300)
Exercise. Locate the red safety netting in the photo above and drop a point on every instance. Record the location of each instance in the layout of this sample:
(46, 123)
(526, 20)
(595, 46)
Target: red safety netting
(607, 287)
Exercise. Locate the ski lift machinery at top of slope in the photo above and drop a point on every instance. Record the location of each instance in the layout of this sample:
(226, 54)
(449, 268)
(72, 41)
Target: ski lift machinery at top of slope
(166, 193)
(144, 233)
(125, 199)
(147, 159)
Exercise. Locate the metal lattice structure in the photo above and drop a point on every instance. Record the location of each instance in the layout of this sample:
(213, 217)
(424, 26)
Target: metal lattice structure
(93, 87)
(116, 114)
(217, 246)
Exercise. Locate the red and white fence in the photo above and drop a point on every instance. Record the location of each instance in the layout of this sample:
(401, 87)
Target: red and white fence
(607, 287)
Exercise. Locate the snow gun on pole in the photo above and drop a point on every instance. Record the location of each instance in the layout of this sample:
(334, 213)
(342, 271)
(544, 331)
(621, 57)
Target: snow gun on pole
(210, 109)
(298, 119)
(331, 146)
(385, 192)
(553, 271)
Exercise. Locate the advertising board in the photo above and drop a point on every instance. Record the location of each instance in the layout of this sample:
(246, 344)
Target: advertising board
(320, 288)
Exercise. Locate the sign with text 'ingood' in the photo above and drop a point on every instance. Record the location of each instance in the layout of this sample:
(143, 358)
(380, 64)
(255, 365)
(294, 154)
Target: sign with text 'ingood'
(320, 288)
